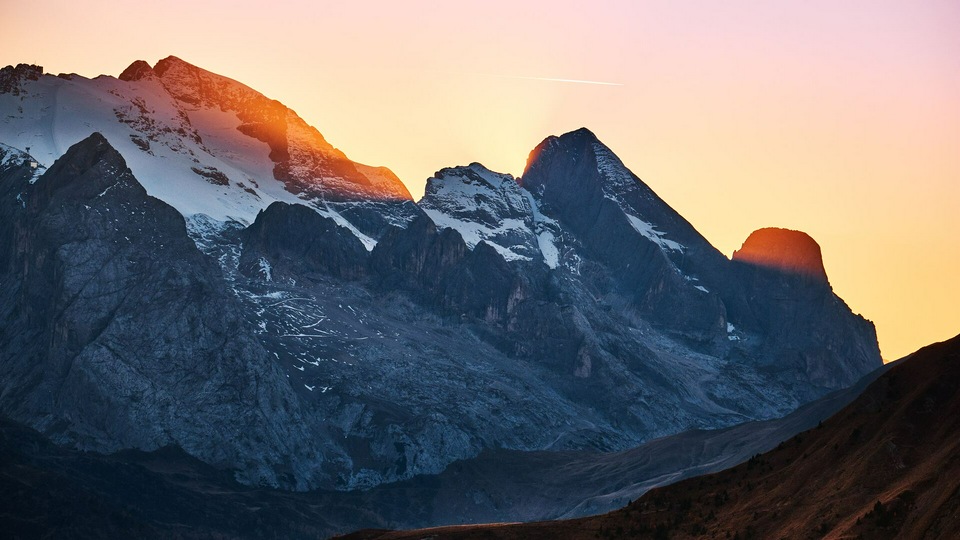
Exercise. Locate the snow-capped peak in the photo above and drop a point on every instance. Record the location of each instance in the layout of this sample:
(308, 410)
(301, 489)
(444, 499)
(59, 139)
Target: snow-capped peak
(475, 192)
(203, 143)
(482, 205)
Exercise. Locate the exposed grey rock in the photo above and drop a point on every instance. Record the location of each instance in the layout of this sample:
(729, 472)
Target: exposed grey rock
(284, 235)
(119, 333)
(12, 78)
(682, 285)
(136, 71)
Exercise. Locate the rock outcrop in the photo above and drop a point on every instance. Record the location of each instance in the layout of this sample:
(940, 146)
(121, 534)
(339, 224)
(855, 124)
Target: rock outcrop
(783, 250)
(136, 71)
(12, 78)
(293, 235)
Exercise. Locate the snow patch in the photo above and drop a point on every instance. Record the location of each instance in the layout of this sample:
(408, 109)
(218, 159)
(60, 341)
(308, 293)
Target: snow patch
(265, 269)
(473, 233)
(548, 247)
(610, 167)
(506, 253)
(542, 225)
(730, 333)
(368, 243)
(104, 192)
(651, 233)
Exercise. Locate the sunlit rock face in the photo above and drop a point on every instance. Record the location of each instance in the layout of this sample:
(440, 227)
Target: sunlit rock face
(785, 250)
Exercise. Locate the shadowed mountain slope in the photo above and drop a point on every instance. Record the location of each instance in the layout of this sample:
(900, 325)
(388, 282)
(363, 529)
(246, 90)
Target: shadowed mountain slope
(46, 489)
(886, 466)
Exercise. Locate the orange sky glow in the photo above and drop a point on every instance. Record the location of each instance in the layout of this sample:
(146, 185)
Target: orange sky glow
(840, 119)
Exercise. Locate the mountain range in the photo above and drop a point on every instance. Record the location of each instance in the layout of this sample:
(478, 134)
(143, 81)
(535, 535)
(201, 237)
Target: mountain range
(185, 262)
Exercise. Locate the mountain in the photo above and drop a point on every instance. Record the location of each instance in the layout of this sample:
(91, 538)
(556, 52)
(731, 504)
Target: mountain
(883, 467)
(200, 268)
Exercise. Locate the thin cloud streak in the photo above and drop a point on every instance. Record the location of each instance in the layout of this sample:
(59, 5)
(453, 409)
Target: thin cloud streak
(549, 79)
(545, 79)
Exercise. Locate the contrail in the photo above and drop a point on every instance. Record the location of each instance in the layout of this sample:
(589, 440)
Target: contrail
(547, 79)
(550, 79)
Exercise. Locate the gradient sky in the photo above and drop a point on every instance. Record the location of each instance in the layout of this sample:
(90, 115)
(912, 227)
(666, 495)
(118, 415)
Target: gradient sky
(841, 119)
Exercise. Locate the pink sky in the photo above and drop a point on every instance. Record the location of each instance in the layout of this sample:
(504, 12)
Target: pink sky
(841, 119)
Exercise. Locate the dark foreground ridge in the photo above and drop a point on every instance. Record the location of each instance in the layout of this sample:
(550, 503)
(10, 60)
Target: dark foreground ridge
(886, 466)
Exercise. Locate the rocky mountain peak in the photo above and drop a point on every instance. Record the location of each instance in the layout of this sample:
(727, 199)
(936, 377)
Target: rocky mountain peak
(92, 159)
(193, 85)
(786, 250)
(136, 71)
(87, 151)
(468, 185)
(171, 62)
(11, 78)
(597, 167)
(304, 160)
(572, 142)
(584, 183)
(482, 205)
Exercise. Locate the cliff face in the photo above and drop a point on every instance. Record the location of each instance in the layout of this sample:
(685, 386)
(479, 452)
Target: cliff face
(789, 297)
(119, 333)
